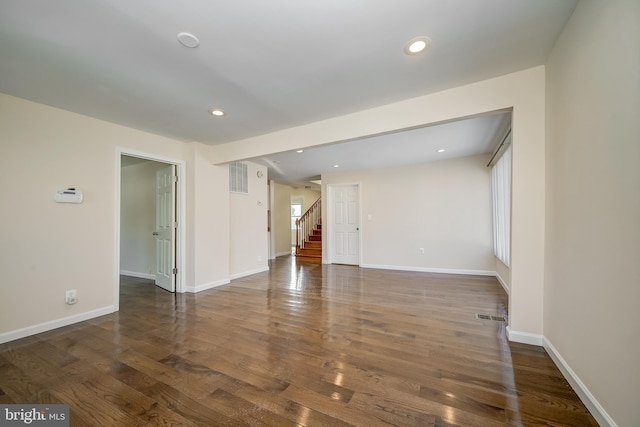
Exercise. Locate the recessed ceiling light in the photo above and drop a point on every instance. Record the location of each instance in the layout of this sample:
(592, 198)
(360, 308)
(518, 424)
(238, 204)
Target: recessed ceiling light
(440, 150)
(188, 40)
(300, 151)
(417, 45)
(216, 112)
(336, 166)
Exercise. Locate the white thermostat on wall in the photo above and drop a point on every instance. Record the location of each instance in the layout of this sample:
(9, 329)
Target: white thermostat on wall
(70, 195)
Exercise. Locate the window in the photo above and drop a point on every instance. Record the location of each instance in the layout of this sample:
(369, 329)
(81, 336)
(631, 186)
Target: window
(501, 195)
(296, 213)
(238, 178)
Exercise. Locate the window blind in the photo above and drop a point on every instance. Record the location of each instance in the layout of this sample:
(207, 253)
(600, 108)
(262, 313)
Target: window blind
(501, 198)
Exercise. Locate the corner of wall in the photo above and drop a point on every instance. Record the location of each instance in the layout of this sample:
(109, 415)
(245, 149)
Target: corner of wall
(589, 400)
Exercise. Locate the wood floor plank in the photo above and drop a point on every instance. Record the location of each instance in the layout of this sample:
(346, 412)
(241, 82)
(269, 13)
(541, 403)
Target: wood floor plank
(276, 403)
(188, 408)
(18, 387)
(133, 402)
(91, 407)
(160, 372)
(338, 409)
(301, 344)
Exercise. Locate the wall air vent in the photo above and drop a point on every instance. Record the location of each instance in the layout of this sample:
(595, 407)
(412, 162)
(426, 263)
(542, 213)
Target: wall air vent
(238, 178)
(489, 317)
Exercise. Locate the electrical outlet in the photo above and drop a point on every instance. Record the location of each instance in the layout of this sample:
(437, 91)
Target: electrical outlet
(71, 296)
(259, 258)
(421, 250)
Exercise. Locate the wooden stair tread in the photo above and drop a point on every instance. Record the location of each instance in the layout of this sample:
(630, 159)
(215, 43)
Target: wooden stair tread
(313, 259)
(309, 252)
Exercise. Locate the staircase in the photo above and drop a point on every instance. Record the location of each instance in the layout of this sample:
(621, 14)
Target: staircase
(309, 235)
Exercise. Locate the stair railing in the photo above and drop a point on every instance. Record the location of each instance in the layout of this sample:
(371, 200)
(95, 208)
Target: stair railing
(308, 222)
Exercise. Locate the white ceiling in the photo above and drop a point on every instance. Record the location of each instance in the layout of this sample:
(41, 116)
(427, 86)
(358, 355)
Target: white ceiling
(469, 137)
(270, 65)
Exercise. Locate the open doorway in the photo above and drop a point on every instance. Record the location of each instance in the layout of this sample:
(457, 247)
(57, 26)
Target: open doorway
(149, 226)
(296, 203)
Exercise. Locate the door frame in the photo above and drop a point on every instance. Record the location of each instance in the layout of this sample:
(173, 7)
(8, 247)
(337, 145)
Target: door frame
(329, 210)
(181, 204)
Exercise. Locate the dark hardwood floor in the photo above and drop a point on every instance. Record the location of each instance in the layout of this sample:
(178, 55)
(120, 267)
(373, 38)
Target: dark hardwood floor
(302, 344)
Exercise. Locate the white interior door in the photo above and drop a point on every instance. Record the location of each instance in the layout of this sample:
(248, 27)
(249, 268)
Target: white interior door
(166, 228)
(345, 230)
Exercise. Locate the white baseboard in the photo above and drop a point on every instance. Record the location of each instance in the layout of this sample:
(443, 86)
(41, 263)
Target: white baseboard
(578, 386)
(249, 273)
(431, 270)
(138, 275)
(524, 337)
(502, 282)
(54, 324)
(200, 288)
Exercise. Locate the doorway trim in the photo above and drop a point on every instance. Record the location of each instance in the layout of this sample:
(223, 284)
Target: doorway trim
(329, 210)
(181, 216)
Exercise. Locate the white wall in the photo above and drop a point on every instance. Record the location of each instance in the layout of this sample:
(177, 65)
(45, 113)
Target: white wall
(248, 246)
(592, 279)
(443, 207)
(47, 247)
(208, 216)
(281, 219)
(138, 219)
